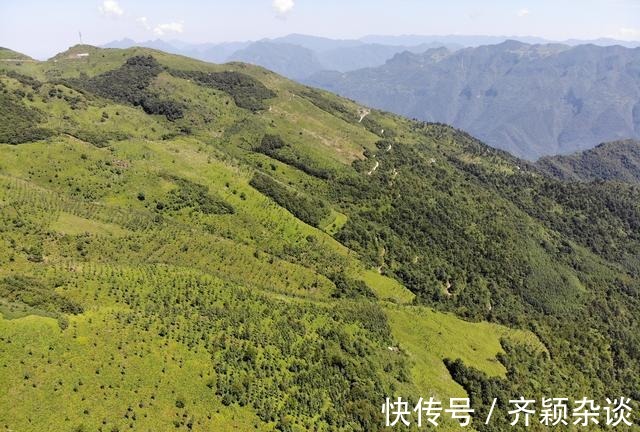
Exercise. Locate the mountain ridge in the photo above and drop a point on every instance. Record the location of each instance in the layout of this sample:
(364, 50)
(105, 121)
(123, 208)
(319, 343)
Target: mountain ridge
(295, 56)
(328, 54)
(7, 54)
(531, 100)
(608, 161)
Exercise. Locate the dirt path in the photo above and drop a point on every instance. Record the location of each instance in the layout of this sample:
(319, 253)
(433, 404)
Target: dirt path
(363, 114)
(374, 168)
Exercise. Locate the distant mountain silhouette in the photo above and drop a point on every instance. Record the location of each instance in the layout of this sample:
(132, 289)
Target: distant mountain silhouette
(531, 100)
(292, 61)
(294, 56)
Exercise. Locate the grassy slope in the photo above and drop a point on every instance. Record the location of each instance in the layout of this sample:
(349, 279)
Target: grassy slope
(8, 54)
(429, 337)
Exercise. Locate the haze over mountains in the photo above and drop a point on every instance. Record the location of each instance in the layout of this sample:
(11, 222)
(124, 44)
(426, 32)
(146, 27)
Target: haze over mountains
(531, 100)
(297, 56)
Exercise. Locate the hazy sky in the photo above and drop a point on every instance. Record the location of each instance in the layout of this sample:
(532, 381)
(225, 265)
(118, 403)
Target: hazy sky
(42, 28)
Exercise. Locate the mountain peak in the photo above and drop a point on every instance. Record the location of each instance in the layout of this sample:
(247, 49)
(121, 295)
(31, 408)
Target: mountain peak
(405, 58)
(512, 44)
(76, 52)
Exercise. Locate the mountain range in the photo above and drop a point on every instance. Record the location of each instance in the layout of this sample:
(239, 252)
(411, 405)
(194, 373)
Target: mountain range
(294, 56)
(531, 100)
(297, 56)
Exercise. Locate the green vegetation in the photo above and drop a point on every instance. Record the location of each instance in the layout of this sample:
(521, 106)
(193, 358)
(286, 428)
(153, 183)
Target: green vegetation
(431, 337)
(98, 138)
(312, 211)
(347, 287)
(339, 109)
(387, 288)
(274, 147)
(482, 389)
(35, 294)
(18, 123)
(334, 222)
(246, 91)
(618, 160)
(129, 84)
(25, 80)
(75, 225)
(8, 54)
(286, 269)
(195, 196)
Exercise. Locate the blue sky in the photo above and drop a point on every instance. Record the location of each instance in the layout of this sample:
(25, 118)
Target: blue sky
(42, 28)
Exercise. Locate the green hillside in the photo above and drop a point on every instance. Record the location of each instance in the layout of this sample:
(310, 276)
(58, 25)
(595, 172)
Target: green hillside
(619, 160)
(9, 55)
(213, 247)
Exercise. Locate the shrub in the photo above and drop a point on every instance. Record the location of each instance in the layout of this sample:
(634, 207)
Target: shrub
(247, 92)
(98, 138)
(25, 80)
(274, 147)
(196, 196)
(309, 210)
(347, 287)
(18, 123)
(130, 85)
(35, 294)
